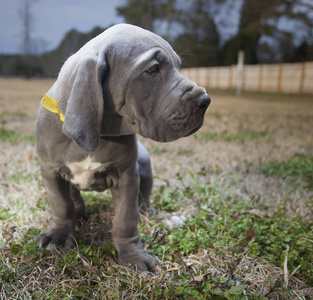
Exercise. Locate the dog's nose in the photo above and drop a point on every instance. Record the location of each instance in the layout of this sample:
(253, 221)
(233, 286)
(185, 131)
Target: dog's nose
(203, 101)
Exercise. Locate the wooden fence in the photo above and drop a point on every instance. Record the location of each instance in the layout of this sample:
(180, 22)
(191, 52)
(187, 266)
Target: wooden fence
(293, 78)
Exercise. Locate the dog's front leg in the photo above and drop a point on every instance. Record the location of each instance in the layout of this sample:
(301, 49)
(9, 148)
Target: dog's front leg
(62, 223)
(125, 232)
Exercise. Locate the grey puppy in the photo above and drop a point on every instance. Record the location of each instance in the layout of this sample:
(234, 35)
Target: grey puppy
(122, 82)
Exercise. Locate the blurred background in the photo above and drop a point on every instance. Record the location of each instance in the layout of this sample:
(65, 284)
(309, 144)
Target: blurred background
(36, 36)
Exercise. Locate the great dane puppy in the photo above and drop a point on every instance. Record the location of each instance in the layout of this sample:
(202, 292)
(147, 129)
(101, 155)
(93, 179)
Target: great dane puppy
(122, 82)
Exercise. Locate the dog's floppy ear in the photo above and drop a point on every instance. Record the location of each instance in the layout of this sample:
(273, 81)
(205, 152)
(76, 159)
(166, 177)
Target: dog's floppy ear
(84, 111)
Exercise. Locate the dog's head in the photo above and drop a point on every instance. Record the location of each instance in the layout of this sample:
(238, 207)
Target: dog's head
(126, 81)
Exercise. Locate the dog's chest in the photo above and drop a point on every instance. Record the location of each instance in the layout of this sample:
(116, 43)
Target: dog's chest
(89, 174)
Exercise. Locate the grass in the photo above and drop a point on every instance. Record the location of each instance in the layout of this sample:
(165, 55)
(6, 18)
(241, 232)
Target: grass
(297, 170)
(228, 248)
(239, 138)
(213, 255)
(231, 246)
(14, 137)
(158, 150)
(16, 114)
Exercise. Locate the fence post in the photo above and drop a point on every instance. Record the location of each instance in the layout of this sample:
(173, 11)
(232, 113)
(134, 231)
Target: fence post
(230, 76)
(218, 77)
(302, 77)
(260, 83)
(241, 57)
(280, 73)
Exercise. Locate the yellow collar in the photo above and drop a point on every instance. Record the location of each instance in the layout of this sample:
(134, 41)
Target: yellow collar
(52, 106)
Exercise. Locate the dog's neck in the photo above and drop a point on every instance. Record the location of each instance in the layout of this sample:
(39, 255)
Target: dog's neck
(115, 125)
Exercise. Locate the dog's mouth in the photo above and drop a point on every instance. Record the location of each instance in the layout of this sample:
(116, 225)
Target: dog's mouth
(178, 121)
(184, 124)
(195, 129)
(171, 133)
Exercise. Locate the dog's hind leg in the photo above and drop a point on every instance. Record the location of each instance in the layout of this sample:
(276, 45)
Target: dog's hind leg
(146, 179)
(79, 206)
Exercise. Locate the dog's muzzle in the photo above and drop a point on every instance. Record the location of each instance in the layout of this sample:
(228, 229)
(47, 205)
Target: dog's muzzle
(202, 102)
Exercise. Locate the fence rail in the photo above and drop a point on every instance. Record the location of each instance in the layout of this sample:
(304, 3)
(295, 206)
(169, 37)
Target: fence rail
(293, 78)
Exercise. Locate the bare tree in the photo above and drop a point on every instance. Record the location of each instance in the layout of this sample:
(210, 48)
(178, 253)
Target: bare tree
(26, 18)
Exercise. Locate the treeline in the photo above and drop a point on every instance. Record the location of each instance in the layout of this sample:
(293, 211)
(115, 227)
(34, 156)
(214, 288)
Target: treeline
(49, 63)
(269, 31)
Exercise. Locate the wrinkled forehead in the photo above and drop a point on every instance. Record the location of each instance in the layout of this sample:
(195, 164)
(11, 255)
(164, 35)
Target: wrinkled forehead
(134, 44)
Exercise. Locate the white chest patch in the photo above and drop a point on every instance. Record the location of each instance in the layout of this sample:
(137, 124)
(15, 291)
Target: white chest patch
(83, 172)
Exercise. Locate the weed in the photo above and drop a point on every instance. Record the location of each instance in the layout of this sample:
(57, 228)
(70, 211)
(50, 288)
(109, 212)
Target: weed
(14, 137)
(189, 152)
(297, 170)
(15, 114)
(239, 138)
(158, 150)
(97, 201)
(233, 138)
(8, 136)
(167, 199)
(20, 176)
(208, 136)
(5, 214)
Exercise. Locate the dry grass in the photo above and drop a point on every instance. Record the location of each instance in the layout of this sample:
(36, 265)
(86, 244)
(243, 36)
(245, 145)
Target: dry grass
(283, 126)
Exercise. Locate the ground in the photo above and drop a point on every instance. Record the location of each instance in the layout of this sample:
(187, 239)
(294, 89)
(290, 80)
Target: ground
(240, 134)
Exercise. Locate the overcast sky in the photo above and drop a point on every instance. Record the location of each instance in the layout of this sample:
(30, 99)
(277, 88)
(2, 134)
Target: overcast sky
(52, 19)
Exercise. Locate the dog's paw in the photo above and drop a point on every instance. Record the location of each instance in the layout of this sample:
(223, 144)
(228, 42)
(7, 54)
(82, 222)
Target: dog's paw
(134, 256)
(56, 238)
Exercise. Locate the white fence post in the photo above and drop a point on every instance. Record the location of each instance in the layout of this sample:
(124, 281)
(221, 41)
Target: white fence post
(241, 58)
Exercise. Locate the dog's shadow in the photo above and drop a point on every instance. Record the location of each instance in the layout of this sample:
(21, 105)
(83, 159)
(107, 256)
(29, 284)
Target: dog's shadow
(96, 226)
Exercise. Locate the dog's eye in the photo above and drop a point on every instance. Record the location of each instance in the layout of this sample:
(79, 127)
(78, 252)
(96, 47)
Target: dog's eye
(153, 70)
